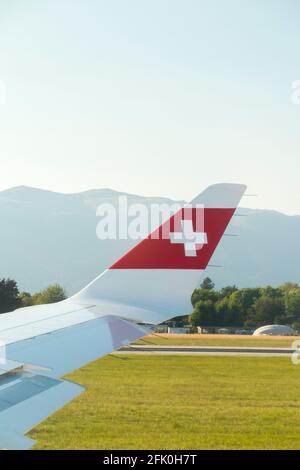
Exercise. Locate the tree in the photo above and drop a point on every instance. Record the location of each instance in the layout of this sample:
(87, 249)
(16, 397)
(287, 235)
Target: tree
(178, 322)
(227, 291)
(204, 314)
(207, 284)
(287, 286)
(242, 301)
(9, 295)
(272, 292)
(204, 294)
(267, 310)
(228, 313)
(50, 295)
(245, 298)
(292, 306)
(26, 299)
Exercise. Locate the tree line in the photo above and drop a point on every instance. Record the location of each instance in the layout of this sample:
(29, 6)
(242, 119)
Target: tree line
(246, 307)
(227, 307)
(11, 298)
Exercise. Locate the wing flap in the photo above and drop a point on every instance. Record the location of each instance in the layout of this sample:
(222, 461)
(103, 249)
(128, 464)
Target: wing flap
(70, 348)
(9, 366)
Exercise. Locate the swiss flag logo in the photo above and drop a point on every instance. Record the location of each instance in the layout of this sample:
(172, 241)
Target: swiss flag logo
(192, 241)
(186, 241)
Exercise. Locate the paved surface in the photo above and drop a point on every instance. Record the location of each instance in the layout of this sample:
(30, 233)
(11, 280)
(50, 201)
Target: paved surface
(216, 351)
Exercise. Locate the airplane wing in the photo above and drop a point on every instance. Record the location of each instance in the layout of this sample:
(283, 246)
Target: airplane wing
(30, 384)
(148, 285)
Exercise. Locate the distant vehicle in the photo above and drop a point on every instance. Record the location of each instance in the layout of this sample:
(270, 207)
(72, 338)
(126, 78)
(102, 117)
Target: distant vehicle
(243, 332)
(223, 331)
(275, 330)
(150, 284)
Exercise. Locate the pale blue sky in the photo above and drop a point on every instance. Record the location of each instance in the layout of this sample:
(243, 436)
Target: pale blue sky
(156, 97)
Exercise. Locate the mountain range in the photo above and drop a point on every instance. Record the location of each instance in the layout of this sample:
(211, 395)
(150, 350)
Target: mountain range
(48, 237)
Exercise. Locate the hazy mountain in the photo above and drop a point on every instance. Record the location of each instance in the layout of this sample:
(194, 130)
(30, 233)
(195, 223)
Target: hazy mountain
(49, 237)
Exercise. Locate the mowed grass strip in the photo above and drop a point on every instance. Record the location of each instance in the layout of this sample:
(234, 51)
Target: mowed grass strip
(219, 340)
(180, 402)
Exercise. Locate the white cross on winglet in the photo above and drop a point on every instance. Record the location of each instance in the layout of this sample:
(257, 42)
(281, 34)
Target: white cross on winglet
(190, 239)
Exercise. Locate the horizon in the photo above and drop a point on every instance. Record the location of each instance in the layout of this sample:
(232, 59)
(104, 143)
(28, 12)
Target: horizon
(146, 196)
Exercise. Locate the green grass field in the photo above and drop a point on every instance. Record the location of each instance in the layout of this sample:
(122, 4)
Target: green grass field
(219, 340)
(180, 402)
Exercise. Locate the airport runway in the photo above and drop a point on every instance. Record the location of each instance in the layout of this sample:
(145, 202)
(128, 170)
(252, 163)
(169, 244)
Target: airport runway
(206, 350)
